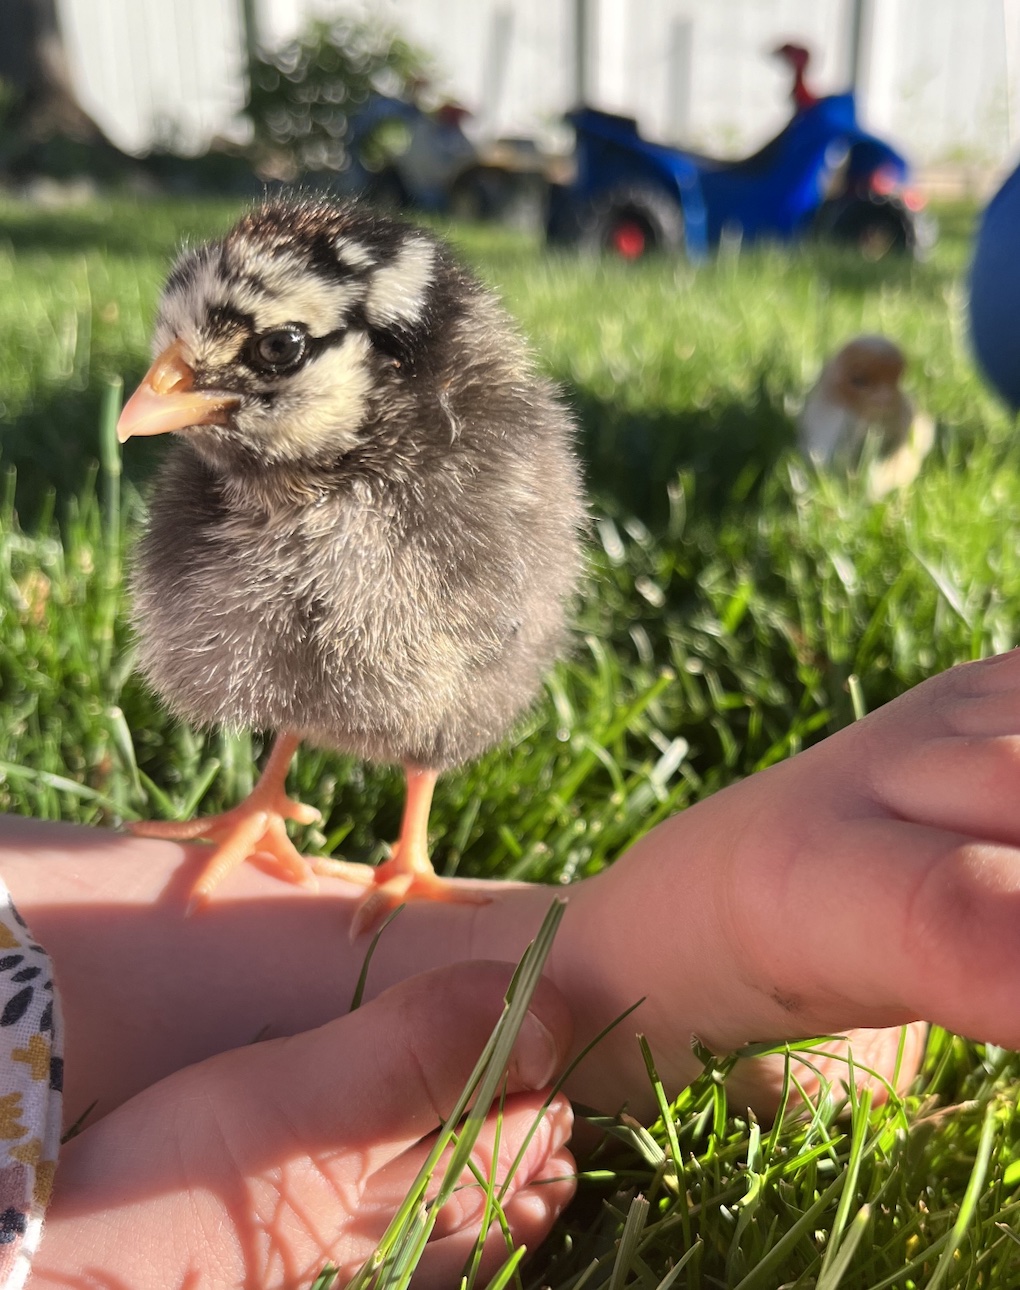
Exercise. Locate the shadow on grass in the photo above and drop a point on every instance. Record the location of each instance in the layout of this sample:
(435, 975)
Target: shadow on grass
(53, 445)
(120, 226)
(632, 456)
(850, 275)
(29, 228)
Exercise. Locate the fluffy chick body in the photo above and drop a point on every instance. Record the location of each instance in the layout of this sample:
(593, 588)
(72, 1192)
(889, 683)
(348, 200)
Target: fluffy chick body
(374, 553)
(856, 416)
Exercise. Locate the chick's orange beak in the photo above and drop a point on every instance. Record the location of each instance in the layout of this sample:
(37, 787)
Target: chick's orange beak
(166, 399)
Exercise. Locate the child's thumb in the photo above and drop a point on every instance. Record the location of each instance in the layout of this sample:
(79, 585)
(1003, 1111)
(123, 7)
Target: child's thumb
(394, 1069)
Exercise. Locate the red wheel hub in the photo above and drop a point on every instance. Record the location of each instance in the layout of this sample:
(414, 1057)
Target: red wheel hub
(628, 239)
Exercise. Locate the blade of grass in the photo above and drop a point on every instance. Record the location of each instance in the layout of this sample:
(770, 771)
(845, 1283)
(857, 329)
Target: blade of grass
(508, 1271)
(359, 989)
(404, 1241)
(557, 1087)
(858, 1140)
(203, 782)
(109, 456)
(125, 746)
(969, 1204)
(669, 1124)
(834, 1269)
(678, 1267)
(763, 1274)
(60, 783)
(630, 1241)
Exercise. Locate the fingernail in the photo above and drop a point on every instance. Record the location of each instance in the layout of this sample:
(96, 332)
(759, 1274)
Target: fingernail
(561, 1121)
(535, 1053)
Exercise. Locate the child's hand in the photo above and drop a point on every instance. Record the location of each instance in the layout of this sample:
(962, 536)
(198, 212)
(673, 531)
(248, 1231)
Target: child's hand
(881, 883)
(260, 1165)
(870, 881)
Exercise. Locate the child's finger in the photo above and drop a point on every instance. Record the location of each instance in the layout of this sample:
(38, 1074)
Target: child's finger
(496, 1150)
(986, 714)
(979, 699)
(893, 921)
(530, 1214)
(519, 1126)
(387, 1075)
(883, 1059)
(964, 784)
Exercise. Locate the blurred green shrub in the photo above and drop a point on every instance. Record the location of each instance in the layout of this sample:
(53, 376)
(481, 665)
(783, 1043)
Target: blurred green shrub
(302, 97)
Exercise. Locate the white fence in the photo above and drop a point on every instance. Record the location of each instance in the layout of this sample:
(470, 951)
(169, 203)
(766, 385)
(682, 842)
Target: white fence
(939, 76)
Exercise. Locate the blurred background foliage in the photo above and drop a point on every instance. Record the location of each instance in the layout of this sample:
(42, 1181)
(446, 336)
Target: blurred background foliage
(304, 97)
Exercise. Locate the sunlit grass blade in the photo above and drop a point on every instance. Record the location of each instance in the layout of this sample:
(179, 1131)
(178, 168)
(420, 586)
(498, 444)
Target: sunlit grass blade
(508, 1271)
(60, 783)
(630, 1241)
(126, 748)
(762, 1276)
(834, 1269)
(968, 1206)
(858, 1145)
(359, 989)
(563, 1078)
(110, 462)
(402, 1244)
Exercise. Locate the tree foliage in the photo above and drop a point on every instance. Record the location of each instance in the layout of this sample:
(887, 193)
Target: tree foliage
(44, 130)
(304, 96)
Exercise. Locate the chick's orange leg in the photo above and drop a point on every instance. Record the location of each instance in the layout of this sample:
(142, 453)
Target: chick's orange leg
(255, 829)
(408, 874)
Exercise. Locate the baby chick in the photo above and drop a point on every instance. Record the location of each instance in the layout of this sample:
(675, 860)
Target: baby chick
(857, 416)
(367, 529)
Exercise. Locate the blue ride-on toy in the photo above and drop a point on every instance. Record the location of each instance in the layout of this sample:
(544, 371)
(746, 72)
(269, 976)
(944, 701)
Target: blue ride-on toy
(821, 175)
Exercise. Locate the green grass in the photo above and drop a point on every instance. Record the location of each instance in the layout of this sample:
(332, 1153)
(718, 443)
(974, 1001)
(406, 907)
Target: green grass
(734, 611)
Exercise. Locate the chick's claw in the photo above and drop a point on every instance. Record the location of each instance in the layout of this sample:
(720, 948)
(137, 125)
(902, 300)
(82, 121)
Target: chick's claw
(254, 830)
(259, 836)
(402, 888)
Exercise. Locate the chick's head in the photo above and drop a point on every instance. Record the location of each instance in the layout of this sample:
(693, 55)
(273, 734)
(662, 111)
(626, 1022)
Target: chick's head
(282, 342)
(864, 377)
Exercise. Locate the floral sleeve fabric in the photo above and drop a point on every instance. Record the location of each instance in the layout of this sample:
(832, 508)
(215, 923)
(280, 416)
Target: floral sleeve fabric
(31, 1079)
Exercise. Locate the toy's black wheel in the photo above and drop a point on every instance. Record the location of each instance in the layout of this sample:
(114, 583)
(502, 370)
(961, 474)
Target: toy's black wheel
(563, 225)
(634, 221)
(489, 193)
(875, 229)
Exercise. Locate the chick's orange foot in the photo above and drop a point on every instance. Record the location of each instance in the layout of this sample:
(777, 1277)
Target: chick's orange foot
(393, 885)
(256, 830)
(253, 830)
(408, 874)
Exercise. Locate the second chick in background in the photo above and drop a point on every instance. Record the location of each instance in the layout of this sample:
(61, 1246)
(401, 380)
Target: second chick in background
(856, 418)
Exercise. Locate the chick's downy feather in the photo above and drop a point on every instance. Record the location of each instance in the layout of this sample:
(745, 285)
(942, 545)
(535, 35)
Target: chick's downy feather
(375, 549)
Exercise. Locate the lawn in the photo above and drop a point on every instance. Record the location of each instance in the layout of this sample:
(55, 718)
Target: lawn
(736, 610)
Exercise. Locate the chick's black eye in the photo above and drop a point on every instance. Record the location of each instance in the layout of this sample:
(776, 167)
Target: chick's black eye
(281, 350)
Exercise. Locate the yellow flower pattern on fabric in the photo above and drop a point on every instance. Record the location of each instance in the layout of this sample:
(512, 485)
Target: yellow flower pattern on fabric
(10, 1117)
(37, 1055)
(31, 1082)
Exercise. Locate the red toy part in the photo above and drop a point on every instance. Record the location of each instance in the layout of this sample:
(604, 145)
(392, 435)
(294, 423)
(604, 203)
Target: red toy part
(798, 57)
